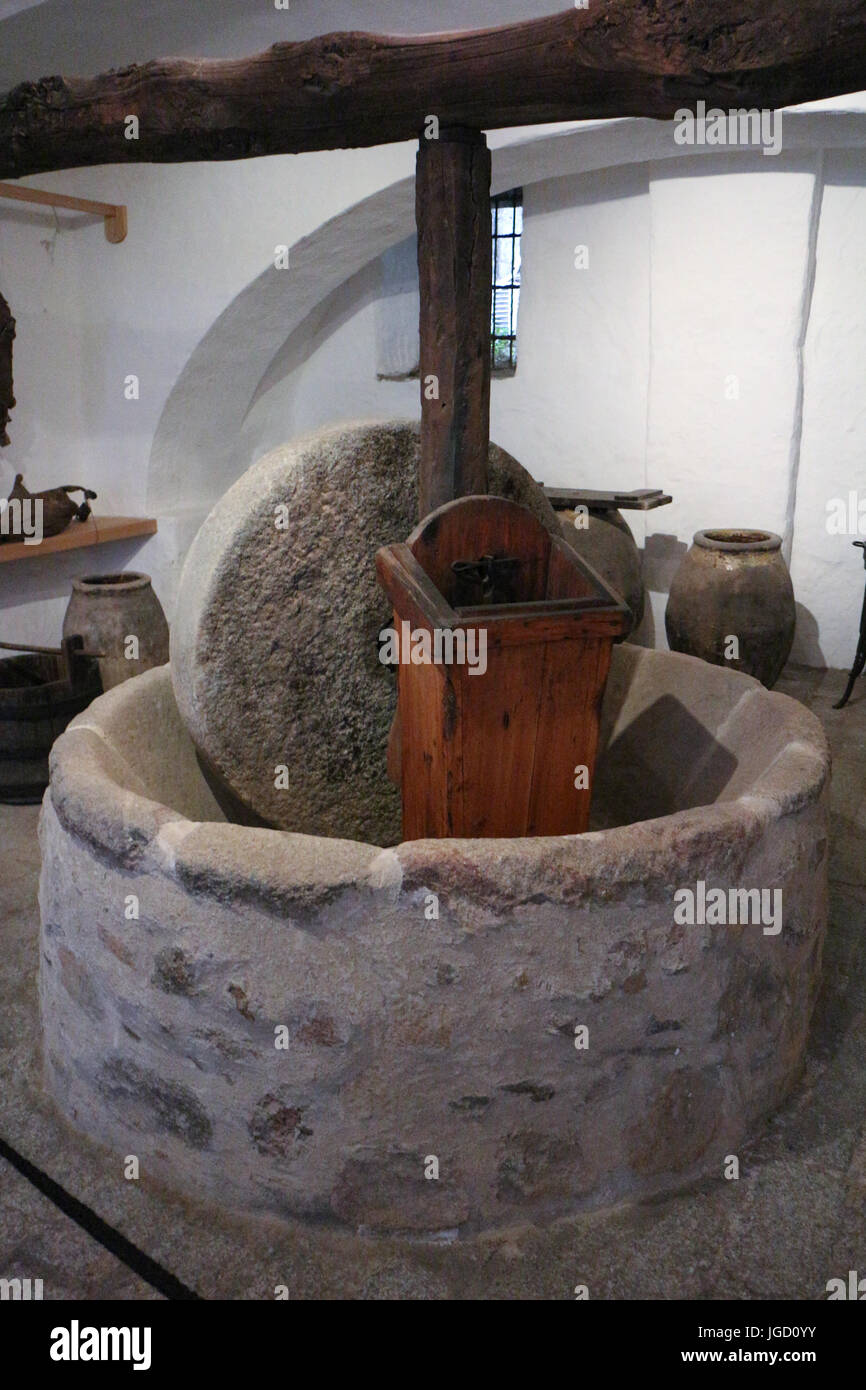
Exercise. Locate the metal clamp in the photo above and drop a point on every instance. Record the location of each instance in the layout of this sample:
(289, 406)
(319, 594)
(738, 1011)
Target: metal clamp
(494, 575)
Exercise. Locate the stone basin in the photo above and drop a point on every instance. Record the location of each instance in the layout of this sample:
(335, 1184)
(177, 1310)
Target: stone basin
(440, 1035)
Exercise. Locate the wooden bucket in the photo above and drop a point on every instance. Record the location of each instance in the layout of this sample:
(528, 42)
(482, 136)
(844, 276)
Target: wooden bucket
(37, 701)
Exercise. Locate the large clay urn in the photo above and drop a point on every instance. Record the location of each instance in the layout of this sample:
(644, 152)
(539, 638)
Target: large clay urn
(734, 584)
(108, 610)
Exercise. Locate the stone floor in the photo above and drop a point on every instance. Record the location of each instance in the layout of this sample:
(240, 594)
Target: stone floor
(795, 1218)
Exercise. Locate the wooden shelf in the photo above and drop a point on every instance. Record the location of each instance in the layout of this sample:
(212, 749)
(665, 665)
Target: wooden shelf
(641, 499)
(97, 530)
(112, 214)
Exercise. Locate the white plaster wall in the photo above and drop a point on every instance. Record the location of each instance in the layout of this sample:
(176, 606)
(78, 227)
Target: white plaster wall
(327, 370)
(699, 271)
(89, 313)
(693, 354)
(731, 258)
(826, 570)
(576, 407)
(83, 37)
(700, 268)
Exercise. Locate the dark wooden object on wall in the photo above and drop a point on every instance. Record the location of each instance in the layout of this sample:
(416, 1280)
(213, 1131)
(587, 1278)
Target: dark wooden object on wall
(7, 398)
(452, 209)
(345, 90)
(495, 753)
(58, 509)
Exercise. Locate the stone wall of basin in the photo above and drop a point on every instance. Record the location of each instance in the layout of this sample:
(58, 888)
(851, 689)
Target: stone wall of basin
(446, 1034)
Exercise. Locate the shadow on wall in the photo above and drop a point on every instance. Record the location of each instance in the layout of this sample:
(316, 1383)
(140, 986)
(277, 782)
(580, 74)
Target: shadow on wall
(329, 315)
(566, 192)
(50, 576)
(644, 634)
(807, 648)
(662, 557)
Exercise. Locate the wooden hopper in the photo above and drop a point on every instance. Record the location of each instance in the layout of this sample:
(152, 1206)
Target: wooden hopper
(497, 753)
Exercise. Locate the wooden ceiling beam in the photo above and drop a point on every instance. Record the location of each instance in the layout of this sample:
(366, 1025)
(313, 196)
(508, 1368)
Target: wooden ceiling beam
(615, 58)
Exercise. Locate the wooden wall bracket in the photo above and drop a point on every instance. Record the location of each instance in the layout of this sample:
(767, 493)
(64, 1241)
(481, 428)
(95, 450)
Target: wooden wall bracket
(113, 214)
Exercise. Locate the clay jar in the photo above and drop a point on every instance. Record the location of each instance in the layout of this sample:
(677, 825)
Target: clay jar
(107, 610)
(734, 584)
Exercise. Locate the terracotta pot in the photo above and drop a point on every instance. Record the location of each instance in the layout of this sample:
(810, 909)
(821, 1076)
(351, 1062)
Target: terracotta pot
(734, 584)
(109, 609)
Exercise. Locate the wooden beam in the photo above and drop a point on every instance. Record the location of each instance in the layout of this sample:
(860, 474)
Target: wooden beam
(639, 499)
(112, 214)
(452, 209)
(615, 58)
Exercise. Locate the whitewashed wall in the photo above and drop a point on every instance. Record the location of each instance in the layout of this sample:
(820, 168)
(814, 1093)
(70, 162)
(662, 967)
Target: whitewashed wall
(827, 572)
(89, 314)
(731, 263)
(715, 344)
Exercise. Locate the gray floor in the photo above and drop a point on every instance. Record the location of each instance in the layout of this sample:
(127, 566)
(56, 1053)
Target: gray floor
(794, 1220)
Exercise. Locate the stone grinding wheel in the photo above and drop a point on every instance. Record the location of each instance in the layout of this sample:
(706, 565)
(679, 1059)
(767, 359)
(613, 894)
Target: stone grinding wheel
(274, 649)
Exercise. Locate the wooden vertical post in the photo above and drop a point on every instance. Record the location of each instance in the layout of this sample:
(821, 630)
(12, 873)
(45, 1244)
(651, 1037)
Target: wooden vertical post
(452, 209)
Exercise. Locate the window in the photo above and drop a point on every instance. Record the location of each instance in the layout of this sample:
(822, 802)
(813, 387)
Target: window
(507, 211)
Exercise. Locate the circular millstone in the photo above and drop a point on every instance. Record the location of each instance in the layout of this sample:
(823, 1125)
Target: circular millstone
(274, 649)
